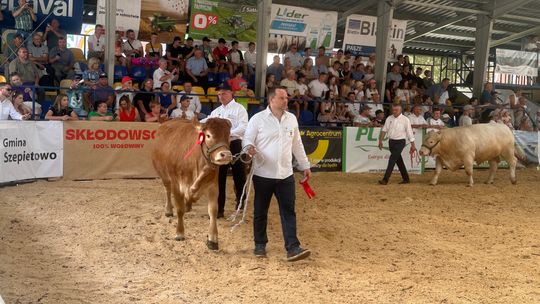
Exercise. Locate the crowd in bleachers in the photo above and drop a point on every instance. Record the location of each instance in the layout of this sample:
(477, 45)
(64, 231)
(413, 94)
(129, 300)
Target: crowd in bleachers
(150, 83)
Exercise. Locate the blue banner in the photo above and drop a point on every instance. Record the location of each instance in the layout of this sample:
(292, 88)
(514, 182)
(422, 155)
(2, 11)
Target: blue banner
(68, 12)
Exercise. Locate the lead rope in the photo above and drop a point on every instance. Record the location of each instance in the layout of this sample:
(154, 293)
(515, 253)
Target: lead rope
(246, 190)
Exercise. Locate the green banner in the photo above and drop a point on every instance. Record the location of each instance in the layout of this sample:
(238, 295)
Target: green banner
(222, 19)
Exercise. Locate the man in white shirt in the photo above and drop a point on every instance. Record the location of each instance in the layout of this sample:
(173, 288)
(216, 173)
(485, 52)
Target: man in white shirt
(296, 59)
(290, 82)
(161, 74)
(7, 111)
(183, 111)
(96, 43)
(195, 103)
(250, 58)
(273, 138)
(318, 87)
(417, 119)
(398, 127)
(132, 47)
(435, 123)
(238, 116)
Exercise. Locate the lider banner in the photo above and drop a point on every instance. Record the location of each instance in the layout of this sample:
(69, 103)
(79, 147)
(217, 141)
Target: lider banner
(319, 27)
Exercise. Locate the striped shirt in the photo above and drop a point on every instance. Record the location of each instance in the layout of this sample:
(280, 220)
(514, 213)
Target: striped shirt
(24, 20)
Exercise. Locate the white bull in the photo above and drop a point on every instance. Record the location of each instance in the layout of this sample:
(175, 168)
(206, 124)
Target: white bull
(462, 146)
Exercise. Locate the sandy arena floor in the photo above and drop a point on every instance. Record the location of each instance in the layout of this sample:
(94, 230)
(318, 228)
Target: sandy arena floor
(109, 242)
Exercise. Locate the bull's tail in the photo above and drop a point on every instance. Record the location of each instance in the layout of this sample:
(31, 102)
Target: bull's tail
(520, 155)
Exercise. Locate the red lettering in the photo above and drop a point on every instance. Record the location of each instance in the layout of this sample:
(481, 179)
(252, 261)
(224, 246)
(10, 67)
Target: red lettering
(154, 134)
(135, 134)
(100, 134)
(90, 135)
(70, 134)
(111, 134)
(80, 135)
(122, 134)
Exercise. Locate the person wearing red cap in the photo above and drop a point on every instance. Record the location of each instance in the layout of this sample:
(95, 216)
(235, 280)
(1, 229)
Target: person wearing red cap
(126, 90)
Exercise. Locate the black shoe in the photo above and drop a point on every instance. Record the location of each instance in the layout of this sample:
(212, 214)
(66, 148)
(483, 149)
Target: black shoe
(405, 182)
(297, 254)
(383, 182)
(220, 215)
(260, 250)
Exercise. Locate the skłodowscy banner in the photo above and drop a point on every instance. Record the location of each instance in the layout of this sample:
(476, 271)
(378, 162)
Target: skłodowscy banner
(127, 15)
(30, 150)
(68, 12)
(223, 19)
(319, 27)
(516, 62)
(360, 36)
(323, 147)
(361, 152)
(101, 150)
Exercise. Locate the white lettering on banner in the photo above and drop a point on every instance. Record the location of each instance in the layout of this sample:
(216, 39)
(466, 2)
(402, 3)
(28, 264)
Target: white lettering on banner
(361, 31)
(362, 152)
(60, 8)
(30, 150)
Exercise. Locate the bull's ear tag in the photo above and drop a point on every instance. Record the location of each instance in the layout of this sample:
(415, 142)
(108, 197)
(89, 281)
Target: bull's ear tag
(200, 140)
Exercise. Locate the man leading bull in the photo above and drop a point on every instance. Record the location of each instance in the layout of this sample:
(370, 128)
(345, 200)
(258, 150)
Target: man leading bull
(273, 137)
(238, 116)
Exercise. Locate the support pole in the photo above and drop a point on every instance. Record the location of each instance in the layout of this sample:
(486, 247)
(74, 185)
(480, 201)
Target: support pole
(484, 25)
(110, 34)
(263, 32)
(385, 13)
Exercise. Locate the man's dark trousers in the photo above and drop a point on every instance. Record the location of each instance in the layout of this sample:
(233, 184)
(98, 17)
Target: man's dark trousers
(396, 147)
(239, 177)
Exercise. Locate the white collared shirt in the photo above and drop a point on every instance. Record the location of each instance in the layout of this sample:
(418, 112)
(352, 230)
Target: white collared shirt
(98, 44)
(177, 113)
(250, 58)
(398, 128)
(7, 110)
(276, 143)
(238, 116)
(417, 120)
(158, 73)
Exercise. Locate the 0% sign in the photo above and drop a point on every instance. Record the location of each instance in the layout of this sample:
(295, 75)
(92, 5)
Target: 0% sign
(202, 21)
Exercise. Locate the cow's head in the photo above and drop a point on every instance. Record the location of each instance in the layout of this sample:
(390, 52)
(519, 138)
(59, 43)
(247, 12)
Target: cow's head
(215, 147)
(430, 143)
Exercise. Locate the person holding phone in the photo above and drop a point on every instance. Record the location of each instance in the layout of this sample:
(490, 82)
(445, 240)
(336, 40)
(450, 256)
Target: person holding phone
(24, 18)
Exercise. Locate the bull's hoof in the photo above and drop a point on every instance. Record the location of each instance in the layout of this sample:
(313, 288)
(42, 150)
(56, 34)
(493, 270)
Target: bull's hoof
(469, 185)
(180, 237)
(212, 245)
(188, 207)
(488, 182)
(514, 182)
(433, 184)
(169, 214)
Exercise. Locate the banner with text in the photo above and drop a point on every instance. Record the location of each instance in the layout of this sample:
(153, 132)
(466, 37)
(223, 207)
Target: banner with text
(30, 150)
(167, 18)
(360, 36)
(323, 147)
(68, 12)
(361, 152)
(230, 20)
(516, 62)
(128, 15)
(102, 150)
(319, 27)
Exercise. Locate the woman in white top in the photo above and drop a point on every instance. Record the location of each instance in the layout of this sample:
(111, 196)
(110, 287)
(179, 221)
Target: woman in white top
(359, 91)
(403, 92)
(332, 85)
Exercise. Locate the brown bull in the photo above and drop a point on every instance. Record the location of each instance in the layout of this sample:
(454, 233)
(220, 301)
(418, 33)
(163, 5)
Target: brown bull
(188, 178)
